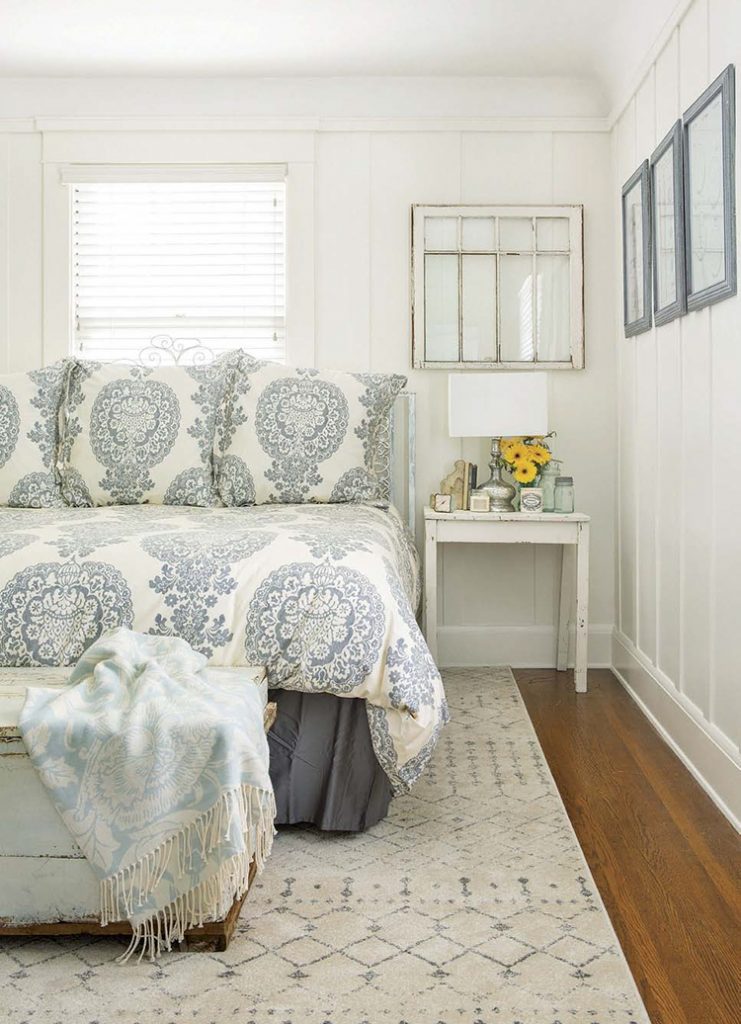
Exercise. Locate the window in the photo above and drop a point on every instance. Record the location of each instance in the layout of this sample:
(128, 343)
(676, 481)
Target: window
(497, 286)
(200, 259)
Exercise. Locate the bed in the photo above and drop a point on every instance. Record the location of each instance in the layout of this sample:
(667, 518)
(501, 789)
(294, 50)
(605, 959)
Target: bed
(323, 595)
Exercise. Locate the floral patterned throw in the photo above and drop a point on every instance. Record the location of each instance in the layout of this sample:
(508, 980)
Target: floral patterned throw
(323, 595)
(159, 769)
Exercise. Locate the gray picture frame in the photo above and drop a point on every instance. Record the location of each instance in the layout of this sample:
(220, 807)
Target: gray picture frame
(671, 144)
(637, 278)
(698, 294)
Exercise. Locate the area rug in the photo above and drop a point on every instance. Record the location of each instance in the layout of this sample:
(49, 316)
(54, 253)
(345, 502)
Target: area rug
(471, 904)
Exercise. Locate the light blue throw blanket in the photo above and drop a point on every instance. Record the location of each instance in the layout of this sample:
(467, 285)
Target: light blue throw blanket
(159, 769)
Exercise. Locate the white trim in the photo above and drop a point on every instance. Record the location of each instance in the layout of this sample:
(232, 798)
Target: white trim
(704, 750)
(57, 304)
(518, 646)
(314, 124)
(76, 174)
(17, 124)
(649, 59)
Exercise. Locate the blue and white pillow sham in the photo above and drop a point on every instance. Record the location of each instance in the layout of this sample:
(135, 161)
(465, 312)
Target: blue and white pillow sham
(29, 435)
(136, 435)
(301, 435)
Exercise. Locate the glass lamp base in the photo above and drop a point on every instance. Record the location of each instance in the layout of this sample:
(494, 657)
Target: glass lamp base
(501, 494)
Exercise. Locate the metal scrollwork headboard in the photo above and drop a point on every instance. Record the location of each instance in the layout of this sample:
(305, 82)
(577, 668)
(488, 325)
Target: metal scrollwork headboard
(164, 350)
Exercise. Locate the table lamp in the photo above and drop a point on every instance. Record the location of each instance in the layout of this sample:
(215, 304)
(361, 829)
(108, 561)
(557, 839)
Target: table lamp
(498, 405)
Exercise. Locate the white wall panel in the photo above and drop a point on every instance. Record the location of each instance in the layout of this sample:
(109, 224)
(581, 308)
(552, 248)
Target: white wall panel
(645, 478)
(495, 163)
(25, 225)
(725, 539)
(668, 490)
(5, 141)
(343, 251)
(693, 53)
(666, 82)
(696, 513)
(678, 412)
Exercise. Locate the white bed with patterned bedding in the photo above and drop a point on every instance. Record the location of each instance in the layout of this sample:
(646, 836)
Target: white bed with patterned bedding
(323, 595)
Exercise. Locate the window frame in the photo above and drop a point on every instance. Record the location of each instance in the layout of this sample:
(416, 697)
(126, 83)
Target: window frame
(574, 213)
(75, 178)
(99, 148)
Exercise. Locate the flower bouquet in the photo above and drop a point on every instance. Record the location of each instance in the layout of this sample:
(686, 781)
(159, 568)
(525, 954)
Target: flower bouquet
(525, 457)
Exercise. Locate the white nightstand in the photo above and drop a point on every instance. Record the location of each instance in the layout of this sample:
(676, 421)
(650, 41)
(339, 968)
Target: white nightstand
(517, 528)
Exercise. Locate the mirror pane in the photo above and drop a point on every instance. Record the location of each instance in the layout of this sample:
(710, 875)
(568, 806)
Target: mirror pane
(441, 308)
(516, 343)
(707, 262)
(553, 296)
(516, 233)
(633, 227)
(478, 233)
(552, 233)
(479, 288)
(441, 232)
(666, 274)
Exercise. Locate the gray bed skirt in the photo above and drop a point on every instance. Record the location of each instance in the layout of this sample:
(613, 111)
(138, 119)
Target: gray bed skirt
(322, 763)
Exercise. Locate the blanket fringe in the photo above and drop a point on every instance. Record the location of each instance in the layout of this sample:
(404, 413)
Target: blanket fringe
(122, 894)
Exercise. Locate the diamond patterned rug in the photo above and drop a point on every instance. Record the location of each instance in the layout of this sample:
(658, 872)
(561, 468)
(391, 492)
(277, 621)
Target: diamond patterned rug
(470, 904)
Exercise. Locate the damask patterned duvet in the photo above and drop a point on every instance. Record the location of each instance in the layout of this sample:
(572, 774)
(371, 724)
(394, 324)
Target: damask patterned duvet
(323, 595)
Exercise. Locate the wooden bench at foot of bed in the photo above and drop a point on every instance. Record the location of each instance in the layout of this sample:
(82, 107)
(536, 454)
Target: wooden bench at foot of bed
(46, 885)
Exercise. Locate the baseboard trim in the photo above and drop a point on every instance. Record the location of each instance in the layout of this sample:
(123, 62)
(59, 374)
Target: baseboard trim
(685, 730)
(517, 646)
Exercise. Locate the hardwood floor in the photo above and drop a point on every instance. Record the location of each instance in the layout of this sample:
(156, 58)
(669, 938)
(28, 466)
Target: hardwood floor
(667, 863)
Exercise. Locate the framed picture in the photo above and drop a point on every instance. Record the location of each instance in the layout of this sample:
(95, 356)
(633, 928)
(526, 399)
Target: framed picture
(709, 193)
(637, 252)
(667, 228)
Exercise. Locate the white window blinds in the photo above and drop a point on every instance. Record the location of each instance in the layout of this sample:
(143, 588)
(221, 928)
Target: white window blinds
(196, 260)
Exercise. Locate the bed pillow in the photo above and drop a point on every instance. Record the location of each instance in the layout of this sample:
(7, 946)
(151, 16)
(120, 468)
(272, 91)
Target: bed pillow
(134, 435)
(29, 435)
(293, 435)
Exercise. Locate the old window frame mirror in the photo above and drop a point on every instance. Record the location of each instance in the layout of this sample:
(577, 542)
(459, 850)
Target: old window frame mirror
(637, 252)
(497, 287)
(667, 227)
(709, 193)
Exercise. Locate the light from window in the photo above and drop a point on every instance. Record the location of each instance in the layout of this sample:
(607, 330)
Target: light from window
(201, 262)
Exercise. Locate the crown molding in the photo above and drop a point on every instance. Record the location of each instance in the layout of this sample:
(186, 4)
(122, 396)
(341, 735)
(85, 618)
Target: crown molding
(306, 124)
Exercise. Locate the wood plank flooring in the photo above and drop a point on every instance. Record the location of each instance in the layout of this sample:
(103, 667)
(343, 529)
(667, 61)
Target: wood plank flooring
(667, 863)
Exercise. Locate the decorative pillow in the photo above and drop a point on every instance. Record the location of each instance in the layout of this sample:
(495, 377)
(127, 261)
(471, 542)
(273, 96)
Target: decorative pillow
(29, 435)
(292, 435)
(135, 435)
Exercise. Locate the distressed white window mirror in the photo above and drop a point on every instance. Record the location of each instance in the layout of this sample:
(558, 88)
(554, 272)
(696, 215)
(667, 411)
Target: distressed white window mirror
(497, 287)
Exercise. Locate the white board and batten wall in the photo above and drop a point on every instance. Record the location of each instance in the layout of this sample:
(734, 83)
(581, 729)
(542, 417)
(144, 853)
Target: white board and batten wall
(349, 243)
(679, 489)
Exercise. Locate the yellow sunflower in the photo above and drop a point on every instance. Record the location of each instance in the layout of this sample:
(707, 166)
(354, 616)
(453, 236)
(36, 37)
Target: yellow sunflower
(539, 454)
(517, 453)
(525, 472)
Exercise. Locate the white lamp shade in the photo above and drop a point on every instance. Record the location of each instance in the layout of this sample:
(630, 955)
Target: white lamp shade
(497, 404)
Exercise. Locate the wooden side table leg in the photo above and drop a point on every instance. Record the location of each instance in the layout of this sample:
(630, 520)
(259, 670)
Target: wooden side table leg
(582, 608)
(564, 606)
(431, 586)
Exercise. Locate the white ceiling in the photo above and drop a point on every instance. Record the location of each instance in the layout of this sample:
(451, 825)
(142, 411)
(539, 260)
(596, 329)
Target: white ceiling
(603, 40)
